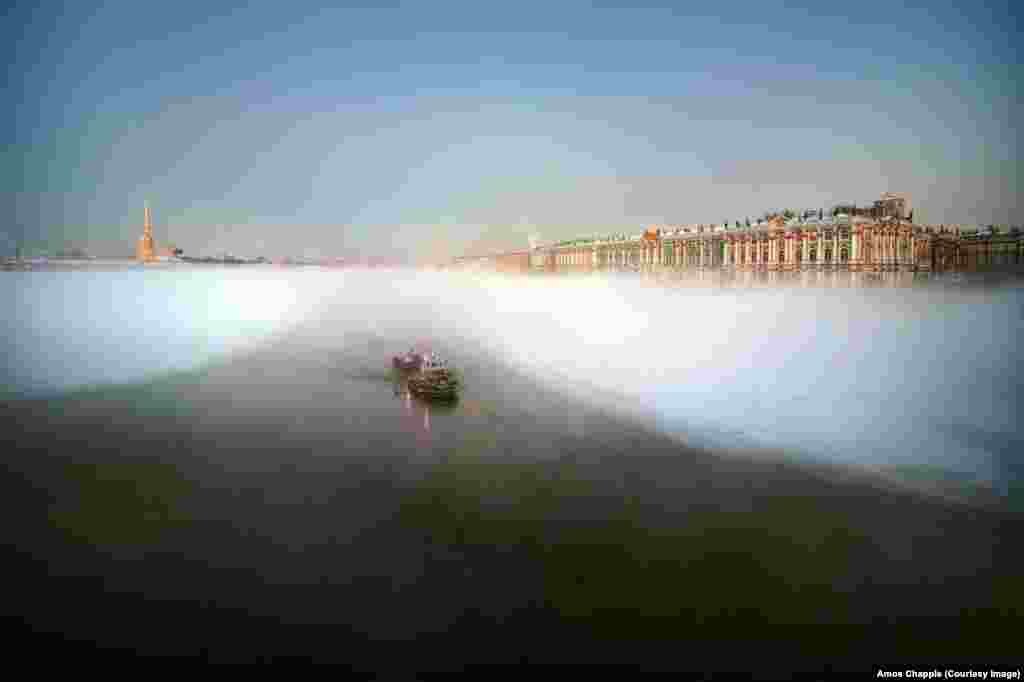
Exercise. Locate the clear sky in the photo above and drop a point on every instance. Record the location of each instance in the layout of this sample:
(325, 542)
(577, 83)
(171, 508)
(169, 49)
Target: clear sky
(434, 127)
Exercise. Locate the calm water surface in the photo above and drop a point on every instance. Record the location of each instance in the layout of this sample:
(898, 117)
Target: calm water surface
(923, 378)
(228, 449)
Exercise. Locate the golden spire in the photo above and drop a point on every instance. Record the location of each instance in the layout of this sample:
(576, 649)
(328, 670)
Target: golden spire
(146, 249)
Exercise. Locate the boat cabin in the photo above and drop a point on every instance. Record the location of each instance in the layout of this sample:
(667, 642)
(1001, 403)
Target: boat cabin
(433, 362)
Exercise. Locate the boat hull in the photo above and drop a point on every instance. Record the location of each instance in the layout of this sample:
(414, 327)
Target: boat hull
(434, 386)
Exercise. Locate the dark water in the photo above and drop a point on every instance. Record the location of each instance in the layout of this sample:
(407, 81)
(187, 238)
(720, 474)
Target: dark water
(290, 500)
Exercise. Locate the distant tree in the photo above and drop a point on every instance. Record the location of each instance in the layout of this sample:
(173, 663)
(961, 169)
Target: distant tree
(737, 224)
(835, 211)
(748, 222)
(788, 214)
(821, 213)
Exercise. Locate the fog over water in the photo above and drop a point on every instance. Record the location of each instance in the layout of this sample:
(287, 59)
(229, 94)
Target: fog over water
(875, 377)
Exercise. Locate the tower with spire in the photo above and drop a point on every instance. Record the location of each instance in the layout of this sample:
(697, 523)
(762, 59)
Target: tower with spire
(146, 250)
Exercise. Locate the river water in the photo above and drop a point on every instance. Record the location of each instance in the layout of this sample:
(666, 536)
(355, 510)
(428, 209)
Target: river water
(925, 377)
(241, 427)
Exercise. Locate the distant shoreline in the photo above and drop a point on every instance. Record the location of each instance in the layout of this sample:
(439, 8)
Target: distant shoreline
(57, 263)
(711, 279)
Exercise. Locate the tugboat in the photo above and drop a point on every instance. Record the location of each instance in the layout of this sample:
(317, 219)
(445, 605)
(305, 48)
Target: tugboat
(435, 380)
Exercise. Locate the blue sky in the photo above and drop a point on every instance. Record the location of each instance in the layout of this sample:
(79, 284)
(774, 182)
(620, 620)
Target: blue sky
(435, 127)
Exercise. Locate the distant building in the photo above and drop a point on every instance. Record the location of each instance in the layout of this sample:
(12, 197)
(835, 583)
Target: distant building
(989, 247)
(145, 251)
(889, 207)
(539, 259)
(892, 206)
(514, 261)
(878, 237)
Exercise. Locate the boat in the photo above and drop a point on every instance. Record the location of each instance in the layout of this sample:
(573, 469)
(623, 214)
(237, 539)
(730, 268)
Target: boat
(440, 385)
(435, 380)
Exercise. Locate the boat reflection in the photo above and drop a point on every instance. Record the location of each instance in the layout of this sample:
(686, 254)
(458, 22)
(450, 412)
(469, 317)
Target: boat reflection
(416, 410)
